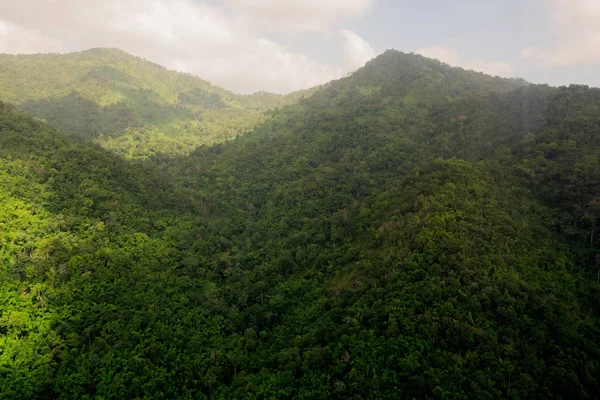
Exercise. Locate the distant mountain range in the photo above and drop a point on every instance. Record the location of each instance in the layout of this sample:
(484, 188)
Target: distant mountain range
(130, 105)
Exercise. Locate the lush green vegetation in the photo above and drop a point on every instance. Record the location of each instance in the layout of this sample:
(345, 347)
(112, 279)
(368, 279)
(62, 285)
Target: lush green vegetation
(412, 231)
(128, 105)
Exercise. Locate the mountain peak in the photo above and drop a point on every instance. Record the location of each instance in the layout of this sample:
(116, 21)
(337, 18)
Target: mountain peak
(106, 50)
(396, 67)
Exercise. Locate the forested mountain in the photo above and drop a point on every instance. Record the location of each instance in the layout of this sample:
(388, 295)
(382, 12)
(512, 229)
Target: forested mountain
(129, 105)
(411, 231)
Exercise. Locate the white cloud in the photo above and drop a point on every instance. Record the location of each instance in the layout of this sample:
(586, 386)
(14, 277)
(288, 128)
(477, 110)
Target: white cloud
(357, 51)
(577, 26)
(220, 43)
(265, 65)
(14, 39)
(452, 57)
(297, 15)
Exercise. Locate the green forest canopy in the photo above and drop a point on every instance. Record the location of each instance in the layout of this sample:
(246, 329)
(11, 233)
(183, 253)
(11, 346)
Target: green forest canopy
(129, 105)
(411, 231)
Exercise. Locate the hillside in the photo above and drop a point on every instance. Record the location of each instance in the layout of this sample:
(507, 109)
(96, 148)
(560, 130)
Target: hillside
(129, 105)
(411, 231)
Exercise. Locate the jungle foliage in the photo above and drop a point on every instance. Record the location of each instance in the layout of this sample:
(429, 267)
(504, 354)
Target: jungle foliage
(411, 231)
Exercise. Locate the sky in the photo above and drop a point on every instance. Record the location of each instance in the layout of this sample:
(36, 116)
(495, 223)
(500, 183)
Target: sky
(285, 45)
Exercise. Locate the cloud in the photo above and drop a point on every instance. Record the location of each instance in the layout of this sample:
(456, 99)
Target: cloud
(223, 42)
(357, 51)
(297, 15)
(452, 57)
(14, 39)
(577, 27)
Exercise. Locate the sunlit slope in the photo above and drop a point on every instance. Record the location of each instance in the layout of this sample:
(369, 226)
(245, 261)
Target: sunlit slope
(127, 104)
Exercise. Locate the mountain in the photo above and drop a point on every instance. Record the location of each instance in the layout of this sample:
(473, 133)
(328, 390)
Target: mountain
(410, 231)
(127, 104)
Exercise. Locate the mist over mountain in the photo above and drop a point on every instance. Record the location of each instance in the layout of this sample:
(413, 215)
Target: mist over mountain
(413, 230)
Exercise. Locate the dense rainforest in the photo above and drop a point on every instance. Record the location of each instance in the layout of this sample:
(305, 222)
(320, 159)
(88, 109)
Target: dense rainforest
(410, 231)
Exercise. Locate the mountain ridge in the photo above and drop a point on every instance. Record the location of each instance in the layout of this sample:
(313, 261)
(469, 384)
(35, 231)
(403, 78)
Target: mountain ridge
(128, 104)
(134, 107)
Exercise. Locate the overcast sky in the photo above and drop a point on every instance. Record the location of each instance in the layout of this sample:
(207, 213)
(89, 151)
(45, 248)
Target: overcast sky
(285, 45)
